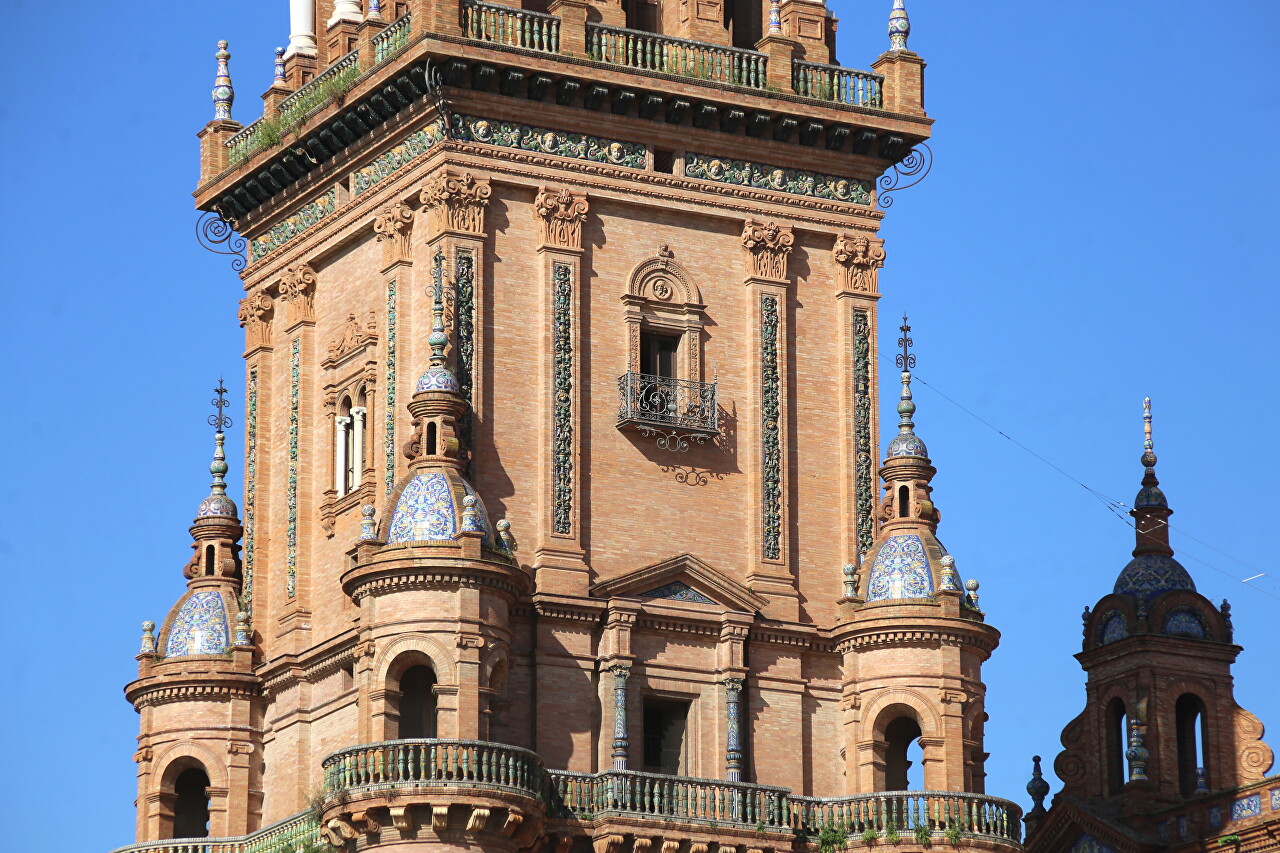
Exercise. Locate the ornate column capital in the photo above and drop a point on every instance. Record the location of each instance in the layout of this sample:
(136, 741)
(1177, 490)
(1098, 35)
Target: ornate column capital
(298, 288)
(861, 258)
(255, 318)
(456, 202)
(394, 227)
(768, 245)
(563, 212)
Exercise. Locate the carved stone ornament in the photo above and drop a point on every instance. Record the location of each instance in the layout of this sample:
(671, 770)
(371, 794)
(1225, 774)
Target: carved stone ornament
(456, 202)
(394, 227)
(298, 288)
(562, 215)
(354, 336)
(768, 245)
(255, 318)
(861, 257)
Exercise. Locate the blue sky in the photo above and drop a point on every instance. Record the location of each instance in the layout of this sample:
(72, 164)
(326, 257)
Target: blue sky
(1094, 230)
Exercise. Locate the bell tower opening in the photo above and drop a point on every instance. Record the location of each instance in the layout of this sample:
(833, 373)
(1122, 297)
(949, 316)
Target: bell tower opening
(1190, 723)
(191, 804)
(1115, 745)
(418, 703)
(901, 736)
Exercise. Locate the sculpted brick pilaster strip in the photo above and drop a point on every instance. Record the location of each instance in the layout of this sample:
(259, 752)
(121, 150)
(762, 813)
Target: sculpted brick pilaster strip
(389, 432)
(250, 489)
(394, 227)
(562, 393)
(298, 288)
(861, 259)
(769, 245)
(562, 215)
(771, 505)
(295, 364)
(456, 202)
(864, 462)
(464, 337)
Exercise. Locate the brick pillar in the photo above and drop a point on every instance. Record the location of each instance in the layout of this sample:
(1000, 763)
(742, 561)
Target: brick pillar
(781, 51)
(806, 22)
(214, 156)
(573, 15)
(903, 72)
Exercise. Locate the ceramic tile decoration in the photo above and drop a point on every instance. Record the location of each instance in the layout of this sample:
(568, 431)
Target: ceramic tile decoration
(250, 489)
(1162, 829)
(200, 628)
(1250, 806)
(1089, 844)
(482, 520)
(295, 362)
(791, 181)
(386, 165)
(770, 413)
(562, 429)
(1114, 628)
(286, 229)
(1215, 817)
(389, 433)
(1148, 575)
(864, 487)
(1275, 799)
(437, 379)
(1184, 622)
(425, 511)
(1183, 830)
(509, 134)
(677, 591)
(900, 570)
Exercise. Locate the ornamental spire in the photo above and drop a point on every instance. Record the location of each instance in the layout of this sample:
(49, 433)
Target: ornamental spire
(775, 18)
(217, 504)
(438, 376)
(899, 26)
(279, 79)
(906, 443)
(223, 95)
(1150, 507)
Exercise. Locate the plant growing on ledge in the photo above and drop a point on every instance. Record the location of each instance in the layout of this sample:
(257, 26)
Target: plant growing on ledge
(892, 835)
(952, 833)
(1228, 839)
(271, 131)
(924, 836)
(832, 837)
(870, 837)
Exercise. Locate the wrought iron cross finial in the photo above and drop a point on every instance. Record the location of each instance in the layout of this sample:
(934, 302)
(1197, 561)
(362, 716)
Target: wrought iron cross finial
(906, 360)
(220, 421)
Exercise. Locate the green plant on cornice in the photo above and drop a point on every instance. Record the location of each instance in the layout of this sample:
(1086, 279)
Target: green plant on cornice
(1228, 839)
(892, 835)
(315, 804)
(832, 837)
(270, 131)
(924, 836)
(952, 833)
(870, 837)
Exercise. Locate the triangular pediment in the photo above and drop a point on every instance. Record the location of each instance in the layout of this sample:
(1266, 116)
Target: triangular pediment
(683, 578)
(1073, 826)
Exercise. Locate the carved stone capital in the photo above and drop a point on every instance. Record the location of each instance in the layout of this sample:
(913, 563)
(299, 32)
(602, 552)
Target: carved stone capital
(298, 288)
(394, 227)
(563, 213)
(255, 318)
(861, 258)
(456, 202)
(768, 245)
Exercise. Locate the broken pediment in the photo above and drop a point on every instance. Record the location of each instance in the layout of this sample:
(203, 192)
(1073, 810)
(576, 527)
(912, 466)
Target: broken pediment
(683, 578)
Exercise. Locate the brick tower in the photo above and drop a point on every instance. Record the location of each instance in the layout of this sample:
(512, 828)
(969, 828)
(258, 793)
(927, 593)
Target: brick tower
(1158, 656)
(554, 313)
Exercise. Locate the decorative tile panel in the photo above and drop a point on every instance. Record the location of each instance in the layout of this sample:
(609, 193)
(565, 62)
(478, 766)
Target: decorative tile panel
(1250, 806)
(677, 591)
(744, 173)
(250, 491)
(900, 570)
(388, 163)
(295, 367)
(389, 431)
(1215, 817)
(425, 511)
(1089, 844)
(289, 227)
(509, 134)
(1184, 622)
(1148, 575)
(864, 489)
(1114, 627)
(1275, 799)
(200, 628)
(562, 387)
(770, 412)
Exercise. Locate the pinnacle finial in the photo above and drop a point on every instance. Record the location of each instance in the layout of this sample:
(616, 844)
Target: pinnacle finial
(775, 18)
(218, 504)
(1150, 495)
(906, 443)
(279, 79)
(1037, 787)
(223, 94)
(899, 26)
(1148, 453)
(437, 339)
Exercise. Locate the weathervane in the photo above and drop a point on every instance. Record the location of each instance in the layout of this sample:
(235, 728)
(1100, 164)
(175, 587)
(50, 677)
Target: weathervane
(906, 360)
(220, 421)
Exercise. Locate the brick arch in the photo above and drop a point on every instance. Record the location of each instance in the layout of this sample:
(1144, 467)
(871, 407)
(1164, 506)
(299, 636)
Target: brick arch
(1210, 617)
(497, 655)
(390, 660)
(647, 272)
(874, 718)
(170, 763)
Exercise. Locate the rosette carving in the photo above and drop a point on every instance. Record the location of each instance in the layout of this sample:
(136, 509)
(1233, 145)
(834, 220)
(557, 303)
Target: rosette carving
(768, 245)
(255, 318)
(563, 213)
(861, 258)
(456, 202)
(298, 288)
(394, 227)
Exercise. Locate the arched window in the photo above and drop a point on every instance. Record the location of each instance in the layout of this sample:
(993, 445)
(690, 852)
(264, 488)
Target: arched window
(904, 501)
(431, 439)
(209, 560)
(342, 448)
(901, 745)
(1190, 723)
(1115, 745)
(418, 702)
(191, 804)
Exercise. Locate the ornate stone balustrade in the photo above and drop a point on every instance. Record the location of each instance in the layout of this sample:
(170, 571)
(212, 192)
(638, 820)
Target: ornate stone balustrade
(665, 402)
(512, 27)
(974, 814)
(434, 763)
(833, 83)
(392, 39)
(652, 52)
(286, 836)
(654, 796)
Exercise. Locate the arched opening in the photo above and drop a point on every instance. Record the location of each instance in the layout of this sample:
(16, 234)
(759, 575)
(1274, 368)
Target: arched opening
(902, 744)
(349, 448)
(191, 804)
(904, 500)
(431, 438)
(1115, 745)
(1190, 723)
(498, 702)
(418, 702)
(209, 553)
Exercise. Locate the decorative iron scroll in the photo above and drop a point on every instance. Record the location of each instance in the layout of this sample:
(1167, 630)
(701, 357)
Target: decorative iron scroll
(907, 172)
(562, 384)
(215, 233)
(771, 503)
(664, 401)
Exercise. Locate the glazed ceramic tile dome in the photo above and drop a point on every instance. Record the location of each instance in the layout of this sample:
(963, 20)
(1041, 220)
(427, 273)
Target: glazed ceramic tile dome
(900, 568)
(200, 626)
(430, 509)
(1149, 575)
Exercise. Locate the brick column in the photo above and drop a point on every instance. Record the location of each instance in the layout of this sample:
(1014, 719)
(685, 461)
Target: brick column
(621, 745)
(903, 72)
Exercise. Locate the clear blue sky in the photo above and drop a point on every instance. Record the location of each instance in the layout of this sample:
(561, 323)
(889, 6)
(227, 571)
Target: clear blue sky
(1094, 230)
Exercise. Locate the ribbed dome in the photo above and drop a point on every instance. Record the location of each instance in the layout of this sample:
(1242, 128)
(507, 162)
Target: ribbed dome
(1149, 575)
(900, 568)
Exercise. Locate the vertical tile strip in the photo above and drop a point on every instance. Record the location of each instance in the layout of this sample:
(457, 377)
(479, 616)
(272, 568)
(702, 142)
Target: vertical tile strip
(389, 433)
(250, 491)
(771, 507)
(562, 390)
(295, 358)
(863, 488)
(465, 335)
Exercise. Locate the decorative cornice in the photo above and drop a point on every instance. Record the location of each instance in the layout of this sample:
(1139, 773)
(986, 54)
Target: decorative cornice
(394, 159)
(563, 212)
(768, 245)
(286, 229)
(861, 258)
(791, 181)
(456, 202)
(578, 146)
(394, 227)
(382, 580)
(161, 689)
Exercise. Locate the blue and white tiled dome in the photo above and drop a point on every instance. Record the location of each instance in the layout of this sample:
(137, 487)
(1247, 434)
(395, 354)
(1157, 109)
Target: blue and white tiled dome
(437, 379)
(1149, 575)
(907, 444)
(900, 569)
(200, 628)
(217, 506)
(427, 511)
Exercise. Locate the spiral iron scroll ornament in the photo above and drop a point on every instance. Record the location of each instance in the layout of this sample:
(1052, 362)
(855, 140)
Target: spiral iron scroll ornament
(217, 234)
(907, 172)
(435, 91)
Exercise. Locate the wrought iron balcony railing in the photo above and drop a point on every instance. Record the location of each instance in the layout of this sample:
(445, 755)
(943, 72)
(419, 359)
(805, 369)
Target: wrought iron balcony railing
(659, 401)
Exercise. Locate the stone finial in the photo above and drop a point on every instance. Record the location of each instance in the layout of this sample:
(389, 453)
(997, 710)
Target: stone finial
(244, 634)
(217, 504)
(470, 517)
(1037, 787)
(1225, 609)
(1137, 752)
(971, 586)
(279, 79)
(368, 530)
(1084, 619)
(949, 579)
(505, 535)
(223, 94)
(148, 638)
(850, 580)
(899, 26)
(906, 442)
(775, 18)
